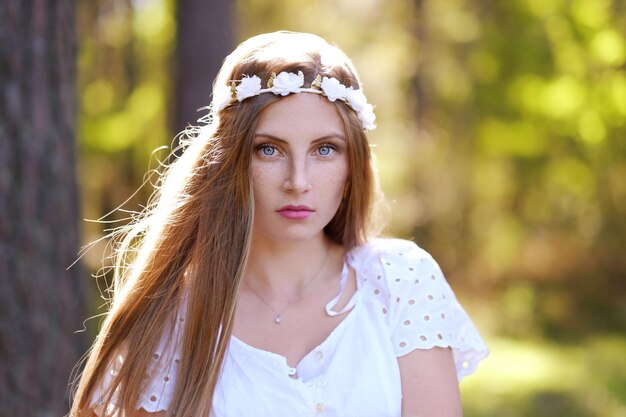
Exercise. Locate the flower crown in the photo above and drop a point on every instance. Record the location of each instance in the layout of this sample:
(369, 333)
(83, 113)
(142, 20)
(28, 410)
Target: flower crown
(287, 82)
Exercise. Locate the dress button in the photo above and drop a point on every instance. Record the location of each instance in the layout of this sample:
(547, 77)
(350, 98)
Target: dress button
(320, 407)
(321, 382)
(292, 371)
(319, 355)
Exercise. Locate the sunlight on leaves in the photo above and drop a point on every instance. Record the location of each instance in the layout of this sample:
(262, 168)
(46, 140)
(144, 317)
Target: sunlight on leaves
(591, 13)
(591, 128)
(609, 47)
(98, 97)
(562, 97)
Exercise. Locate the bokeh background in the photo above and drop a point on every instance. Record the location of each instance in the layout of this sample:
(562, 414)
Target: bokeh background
(501, 147)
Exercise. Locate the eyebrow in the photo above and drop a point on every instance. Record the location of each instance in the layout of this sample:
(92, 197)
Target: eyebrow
(322, 138)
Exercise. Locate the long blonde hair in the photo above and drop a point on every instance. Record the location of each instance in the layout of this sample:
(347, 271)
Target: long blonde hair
(192, 240)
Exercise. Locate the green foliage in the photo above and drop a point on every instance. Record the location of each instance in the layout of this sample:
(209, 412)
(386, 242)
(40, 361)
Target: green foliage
(538, 379)
(124, 75)
(500, 147)
(124, 94)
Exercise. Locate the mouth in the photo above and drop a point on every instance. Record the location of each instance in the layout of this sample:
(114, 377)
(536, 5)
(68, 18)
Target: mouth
(295, 212)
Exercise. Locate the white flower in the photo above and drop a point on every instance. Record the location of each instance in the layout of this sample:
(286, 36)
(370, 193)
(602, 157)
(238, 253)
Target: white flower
(367, 116)
(356, 99)
(248, 87)
(287, 82)
(333, 89)
(221, 99)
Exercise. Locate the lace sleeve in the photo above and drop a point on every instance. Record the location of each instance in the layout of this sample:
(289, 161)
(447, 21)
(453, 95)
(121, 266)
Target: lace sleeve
(423, 310)
(160, 378)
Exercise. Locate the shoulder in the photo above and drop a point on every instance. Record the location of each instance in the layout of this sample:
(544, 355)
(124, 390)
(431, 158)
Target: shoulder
(397, 273)
(404, 283)
(386, 244)
(398, 259)
(391, 248)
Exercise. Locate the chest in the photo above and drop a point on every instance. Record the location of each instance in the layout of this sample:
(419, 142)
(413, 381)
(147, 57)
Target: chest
(303, 325)
(294, 338)
(354, 372)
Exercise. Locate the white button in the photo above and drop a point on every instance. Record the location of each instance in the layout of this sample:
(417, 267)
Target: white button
(292, 371)
(320, 407)
(319, 355)
(321, 382)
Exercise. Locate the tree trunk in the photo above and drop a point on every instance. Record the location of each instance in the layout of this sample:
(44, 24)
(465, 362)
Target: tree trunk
(41, 303)
(205, 37)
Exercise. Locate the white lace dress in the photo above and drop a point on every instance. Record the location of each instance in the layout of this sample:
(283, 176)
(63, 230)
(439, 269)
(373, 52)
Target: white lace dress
(402, 303)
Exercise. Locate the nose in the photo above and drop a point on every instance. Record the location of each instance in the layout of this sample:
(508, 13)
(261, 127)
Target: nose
(297, 180)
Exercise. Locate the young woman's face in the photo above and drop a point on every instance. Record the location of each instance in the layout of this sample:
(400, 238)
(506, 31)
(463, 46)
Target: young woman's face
(299, 168)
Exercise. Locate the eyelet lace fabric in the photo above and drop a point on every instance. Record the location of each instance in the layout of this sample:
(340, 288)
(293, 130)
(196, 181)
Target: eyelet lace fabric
(423, 311)
(402, 303)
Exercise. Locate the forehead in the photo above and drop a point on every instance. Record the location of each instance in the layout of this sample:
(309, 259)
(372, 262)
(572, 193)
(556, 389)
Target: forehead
(302, 115)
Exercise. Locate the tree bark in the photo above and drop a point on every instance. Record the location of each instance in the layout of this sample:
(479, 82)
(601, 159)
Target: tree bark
(205, 37)
(41, 303)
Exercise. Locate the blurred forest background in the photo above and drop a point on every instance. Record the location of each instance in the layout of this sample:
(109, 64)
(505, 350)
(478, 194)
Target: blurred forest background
(501, 148)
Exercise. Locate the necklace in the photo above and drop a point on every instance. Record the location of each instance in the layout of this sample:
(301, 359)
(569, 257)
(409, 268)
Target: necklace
(278, 314)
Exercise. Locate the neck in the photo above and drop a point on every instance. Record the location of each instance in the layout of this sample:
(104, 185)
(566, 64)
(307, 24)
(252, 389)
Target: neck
(284, 269)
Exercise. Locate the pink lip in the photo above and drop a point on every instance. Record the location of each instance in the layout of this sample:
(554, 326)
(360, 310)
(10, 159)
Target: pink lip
(295, 212)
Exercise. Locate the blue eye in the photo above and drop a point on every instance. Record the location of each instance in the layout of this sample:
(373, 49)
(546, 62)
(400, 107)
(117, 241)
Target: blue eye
(268, 150)
(324, 150)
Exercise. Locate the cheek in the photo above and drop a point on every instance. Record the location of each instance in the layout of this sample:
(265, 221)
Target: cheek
(263, 177)
(334, 180)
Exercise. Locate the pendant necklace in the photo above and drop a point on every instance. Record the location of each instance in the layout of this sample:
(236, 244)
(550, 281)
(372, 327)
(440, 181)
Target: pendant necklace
(278, 314)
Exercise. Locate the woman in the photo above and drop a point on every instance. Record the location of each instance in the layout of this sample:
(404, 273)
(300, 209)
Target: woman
(252, 286)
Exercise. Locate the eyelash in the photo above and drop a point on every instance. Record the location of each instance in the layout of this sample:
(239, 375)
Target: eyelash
(262, 146)
(331, 146)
